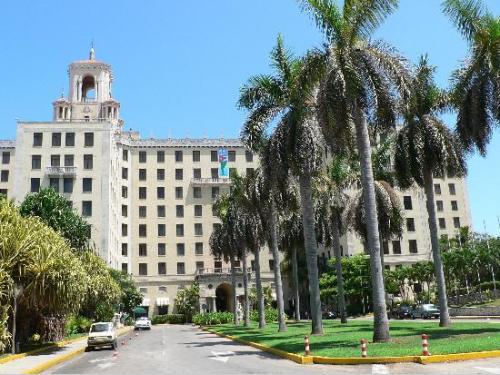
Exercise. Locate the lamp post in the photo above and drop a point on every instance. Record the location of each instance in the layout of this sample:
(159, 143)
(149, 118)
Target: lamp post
(18, 290)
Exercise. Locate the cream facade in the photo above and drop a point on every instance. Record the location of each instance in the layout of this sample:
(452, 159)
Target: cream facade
(149, 201)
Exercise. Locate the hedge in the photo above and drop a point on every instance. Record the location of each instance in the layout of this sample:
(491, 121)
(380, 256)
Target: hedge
(169, 318)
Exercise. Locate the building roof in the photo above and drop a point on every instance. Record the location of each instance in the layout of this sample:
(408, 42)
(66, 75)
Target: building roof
(7, 144)
(181, 142)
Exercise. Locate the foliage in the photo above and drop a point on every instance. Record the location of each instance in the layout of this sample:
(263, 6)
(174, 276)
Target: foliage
(130, 295)
(267, 293)
(213, 318)
(187, 300)
(77, 324)
(169, 318)
(55, 210)
(271, 315)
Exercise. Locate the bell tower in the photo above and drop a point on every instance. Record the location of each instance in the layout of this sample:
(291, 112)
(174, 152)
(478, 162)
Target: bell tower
(89, 98)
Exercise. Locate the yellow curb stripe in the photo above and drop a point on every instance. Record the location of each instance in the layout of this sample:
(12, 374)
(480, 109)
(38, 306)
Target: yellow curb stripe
(358, 361)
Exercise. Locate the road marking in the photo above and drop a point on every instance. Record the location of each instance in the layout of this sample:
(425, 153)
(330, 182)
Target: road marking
(380, 369)
(105, 365)
(490, 370)
(222, 356)
(98, 360)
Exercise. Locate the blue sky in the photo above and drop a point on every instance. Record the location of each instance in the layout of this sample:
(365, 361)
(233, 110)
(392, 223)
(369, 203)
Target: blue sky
(178, 65)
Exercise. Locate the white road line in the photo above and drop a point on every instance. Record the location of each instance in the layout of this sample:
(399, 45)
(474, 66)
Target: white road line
(489, 370)
(105, 365)
(222, 356)
(98, 360)
(380, 369)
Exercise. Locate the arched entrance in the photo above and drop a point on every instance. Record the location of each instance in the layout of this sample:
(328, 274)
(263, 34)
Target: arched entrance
(223, 298)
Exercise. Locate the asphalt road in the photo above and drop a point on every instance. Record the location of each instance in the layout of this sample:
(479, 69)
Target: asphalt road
(186, 350)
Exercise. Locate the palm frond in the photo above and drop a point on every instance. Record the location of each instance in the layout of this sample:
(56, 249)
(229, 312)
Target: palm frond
(466, 15)
(328, 17)
(365, 16)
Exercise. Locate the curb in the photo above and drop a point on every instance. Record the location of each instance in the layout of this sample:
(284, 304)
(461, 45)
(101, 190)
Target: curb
(300, 359)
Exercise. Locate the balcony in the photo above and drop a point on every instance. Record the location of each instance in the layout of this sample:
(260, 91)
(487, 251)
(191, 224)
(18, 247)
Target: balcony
(219, 273)
(210, 181)
(60, 171)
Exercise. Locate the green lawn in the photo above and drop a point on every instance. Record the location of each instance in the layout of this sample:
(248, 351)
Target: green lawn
(343, 340)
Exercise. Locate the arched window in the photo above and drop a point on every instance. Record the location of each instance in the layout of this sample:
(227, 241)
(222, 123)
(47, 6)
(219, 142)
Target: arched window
(88, 88)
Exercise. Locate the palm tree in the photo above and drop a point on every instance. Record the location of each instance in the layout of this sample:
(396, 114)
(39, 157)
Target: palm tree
(476, 84)
(296, 146)
(361, 81)
(425, 149)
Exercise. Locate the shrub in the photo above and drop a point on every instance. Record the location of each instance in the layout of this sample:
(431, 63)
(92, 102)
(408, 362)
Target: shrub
(77, 324)
(213, 318)
(159, 319)
(270, 314)
(168, 318)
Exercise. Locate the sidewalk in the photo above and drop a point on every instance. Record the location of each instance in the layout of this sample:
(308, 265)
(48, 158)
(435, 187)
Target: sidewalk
(38, 362)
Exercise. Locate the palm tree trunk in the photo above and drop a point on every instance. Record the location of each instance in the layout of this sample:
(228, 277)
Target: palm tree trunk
(308, 223)
(444, 317)
(295, 279)
(277, 267)
(260, 296)
(233, 287)
(246, 301)
(380, 321)
(338, 267)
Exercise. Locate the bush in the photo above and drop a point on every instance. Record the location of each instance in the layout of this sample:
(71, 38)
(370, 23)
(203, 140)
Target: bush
(270, 314)
(168, 318)
(77, 324)
(213, 318)
(159, 319)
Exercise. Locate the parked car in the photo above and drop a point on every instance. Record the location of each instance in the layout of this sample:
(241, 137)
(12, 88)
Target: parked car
(425, 311)
(402, 312)
(102, 334)
(142, 323)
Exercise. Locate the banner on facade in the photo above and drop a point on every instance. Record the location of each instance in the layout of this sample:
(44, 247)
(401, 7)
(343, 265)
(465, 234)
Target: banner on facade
(223, 159)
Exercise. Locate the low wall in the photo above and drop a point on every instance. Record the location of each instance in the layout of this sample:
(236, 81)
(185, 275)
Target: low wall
(475, 311)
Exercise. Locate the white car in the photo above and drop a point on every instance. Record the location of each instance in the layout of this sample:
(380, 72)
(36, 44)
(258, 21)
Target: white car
(102, 334)
(142, 323)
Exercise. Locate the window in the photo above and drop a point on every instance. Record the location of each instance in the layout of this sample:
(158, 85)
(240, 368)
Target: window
(143, 290)
(179, 230)
(143, 269)
(196, 173)
(69, 139)
(181, 249)
(125, 155)
(87, 185)
(179, 175)
(5, 157)
(437, 189)
(214, 173)
(55, 160)
(160, 174)
(198, 248)
(160, 211)
(385, 246)
(69, 160)
(89, 139)
(124, 267)
(161, 230)
(396, 247)
(36, 161)
(218, 265)
(142, 175)
(162, 288)
(142, 192)
(160, 192)
(124, 192)
(198, 229)
(124, 173)
(56, 139)
(142, 230)
(179, 210)
(410, 224)
(124, 249)
(124, 230)
(249, 156)
(181, 270)
(214, 156)
(196, 156)
(160, 156)
(231, 155)
(214, 211)
(4, 176)
(68, 185)
(124, 210)
(407, 202)
(439, 206)
(271, 264)
(196, 192)
(142, 156)
(162, 268)
(178, 156)
(451, 188)
(143, 250)
(215, 192)
(412, 245)
(35, 185)
(456, 222)
(442, 223)
(249, 171)
(198, 210)
(88, 161)
(454, 205)
(162, 249)
(200, 265)
(54, 184)
(178, 192)
(143, 211)
(87, 208)
(37, 139)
